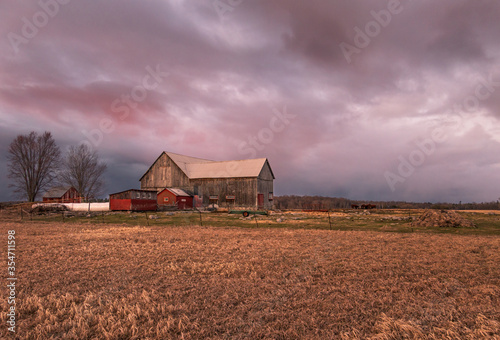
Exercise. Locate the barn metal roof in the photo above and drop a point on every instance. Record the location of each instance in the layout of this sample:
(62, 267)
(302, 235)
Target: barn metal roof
(184, 161)
(196, 168)
(56, 192)
(139, 190)
(178, 192)
(228, 169)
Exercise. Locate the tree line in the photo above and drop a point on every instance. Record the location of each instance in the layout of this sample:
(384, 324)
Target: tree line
(36, 163)
(321, 203)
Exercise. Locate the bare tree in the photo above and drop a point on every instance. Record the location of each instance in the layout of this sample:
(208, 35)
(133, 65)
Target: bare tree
(83, 170)
(33, 162)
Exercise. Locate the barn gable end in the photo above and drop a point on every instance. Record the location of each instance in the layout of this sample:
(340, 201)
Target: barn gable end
(265, 186)
(162, 174)
(266, 172)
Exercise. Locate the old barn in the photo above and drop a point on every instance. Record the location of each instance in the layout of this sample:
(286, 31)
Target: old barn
(240, 183)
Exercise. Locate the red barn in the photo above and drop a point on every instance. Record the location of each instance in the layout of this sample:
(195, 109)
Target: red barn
(175, 197)
(62, 195)
(133, 200)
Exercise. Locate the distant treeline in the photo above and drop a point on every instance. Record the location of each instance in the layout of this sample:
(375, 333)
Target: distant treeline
(319, 202)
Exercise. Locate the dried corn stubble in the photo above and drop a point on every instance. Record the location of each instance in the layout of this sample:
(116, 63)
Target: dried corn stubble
(84, 282)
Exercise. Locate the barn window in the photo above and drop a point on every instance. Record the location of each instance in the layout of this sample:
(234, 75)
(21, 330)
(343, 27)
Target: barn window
(138, 195)
(165, 199)
(149, 195)
(271, 196)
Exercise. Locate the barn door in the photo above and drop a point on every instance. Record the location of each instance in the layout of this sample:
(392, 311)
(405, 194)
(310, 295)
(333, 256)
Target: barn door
(260, 200)
(182, 204)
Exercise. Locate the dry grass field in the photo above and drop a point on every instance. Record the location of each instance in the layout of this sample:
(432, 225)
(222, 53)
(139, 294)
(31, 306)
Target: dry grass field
(102, 281)
(385, 220)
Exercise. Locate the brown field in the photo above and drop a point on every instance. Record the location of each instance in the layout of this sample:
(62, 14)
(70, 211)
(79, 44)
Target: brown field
(91, 281)
(492, 212)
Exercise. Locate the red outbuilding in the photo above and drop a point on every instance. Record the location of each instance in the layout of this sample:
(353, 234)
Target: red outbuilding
(62, 195)
(133, 200)
(176, 198)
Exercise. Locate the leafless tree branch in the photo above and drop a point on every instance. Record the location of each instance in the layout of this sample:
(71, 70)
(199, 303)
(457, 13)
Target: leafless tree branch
(33, 162)
(83, 170)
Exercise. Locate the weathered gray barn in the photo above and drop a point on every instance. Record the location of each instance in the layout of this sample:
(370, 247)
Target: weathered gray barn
(244, 183)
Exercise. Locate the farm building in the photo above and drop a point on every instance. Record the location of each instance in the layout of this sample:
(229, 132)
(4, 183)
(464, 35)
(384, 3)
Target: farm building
(243, 183)
(62, 195)
(175, 197)
(133, 200)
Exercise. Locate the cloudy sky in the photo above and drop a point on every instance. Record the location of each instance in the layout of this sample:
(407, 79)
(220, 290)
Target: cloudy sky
(375, 100)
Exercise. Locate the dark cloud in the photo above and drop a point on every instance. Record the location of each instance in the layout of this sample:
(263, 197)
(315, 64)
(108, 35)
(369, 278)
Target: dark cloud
(232, 72)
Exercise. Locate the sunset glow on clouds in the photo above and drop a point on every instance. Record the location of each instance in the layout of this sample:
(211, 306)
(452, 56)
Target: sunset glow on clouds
(379, 100)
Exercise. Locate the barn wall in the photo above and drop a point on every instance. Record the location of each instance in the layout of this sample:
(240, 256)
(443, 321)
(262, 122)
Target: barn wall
(265, 185)
(177, 177)
(51, 200)
(119, 204)
(132, 205)
(143, 205)
(166, 194)
(71, 196)
(121, 195)
(164, 173)
(266, 173)
(245, 190)
(184, 202)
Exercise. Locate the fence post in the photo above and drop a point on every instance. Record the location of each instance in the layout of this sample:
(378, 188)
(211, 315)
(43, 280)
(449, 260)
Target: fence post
(201, 220)
(329, 219)
(147, 219)
(21, 212)
(255, 217)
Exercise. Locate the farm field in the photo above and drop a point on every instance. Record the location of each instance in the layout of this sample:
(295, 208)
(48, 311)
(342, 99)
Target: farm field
(120, 278)
(386, 220)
